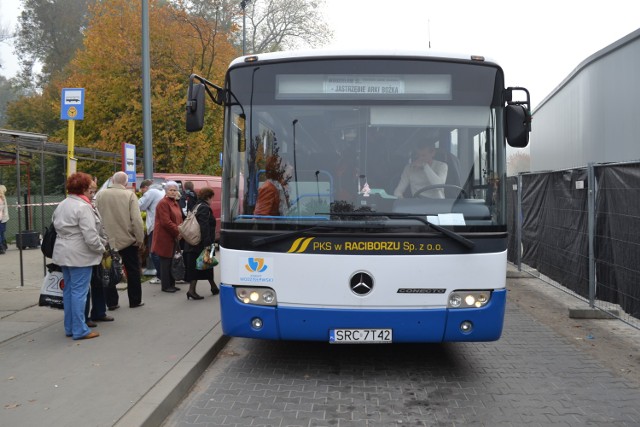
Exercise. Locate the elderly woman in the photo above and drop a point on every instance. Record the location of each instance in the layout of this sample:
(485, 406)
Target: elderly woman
(166, 234)
(78, 248)
(207, 221)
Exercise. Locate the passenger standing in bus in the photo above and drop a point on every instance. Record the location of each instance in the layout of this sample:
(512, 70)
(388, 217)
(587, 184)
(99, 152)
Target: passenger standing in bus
(273, 197)
(423, 171)
(166, 234)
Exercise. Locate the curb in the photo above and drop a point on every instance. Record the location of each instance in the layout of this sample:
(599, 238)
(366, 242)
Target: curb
(158, 403)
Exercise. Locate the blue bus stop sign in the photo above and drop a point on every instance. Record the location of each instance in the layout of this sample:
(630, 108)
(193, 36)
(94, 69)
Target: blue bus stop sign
(72, 104)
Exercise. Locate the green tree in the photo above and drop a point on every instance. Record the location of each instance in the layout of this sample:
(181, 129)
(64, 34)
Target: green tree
(40, 113)
(49, 33)
(7, 94)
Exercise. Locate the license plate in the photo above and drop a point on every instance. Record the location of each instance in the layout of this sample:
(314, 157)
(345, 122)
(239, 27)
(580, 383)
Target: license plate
(360, 336)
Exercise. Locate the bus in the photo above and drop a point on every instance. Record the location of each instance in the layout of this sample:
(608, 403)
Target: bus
(350, 254)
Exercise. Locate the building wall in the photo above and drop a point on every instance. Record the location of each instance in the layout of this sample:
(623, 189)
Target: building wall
(594, 114)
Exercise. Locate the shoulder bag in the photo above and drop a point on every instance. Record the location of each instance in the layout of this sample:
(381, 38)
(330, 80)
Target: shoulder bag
(48, 241)
(190, 229)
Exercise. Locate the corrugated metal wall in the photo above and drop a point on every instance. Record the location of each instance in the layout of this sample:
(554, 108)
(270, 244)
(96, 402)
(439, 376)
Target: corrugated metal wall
(594, 114)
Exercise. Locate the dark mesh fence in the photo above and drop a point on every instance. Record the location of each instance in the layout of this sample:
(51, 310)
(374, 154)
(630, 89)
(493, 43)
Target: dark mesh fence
(617, 237)
(555, 230)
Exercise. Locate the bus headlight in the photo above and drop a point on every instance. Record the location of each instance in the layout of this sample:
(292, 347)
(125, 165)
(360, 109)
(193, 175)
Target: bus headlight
(468, 299)
(256, 296)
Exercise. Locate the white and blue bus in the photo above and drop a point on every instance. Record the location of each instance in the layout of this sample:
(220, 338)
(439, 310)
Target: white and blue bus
(366, 243)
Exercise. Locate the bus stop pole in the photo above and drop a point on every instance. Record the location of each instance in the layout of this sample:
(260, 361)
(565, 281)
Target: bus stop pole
(71, 166)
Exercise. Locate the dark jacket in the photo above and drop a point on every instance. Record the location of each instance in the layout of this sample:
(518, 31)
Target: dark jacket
(188, 200)
(207, 222)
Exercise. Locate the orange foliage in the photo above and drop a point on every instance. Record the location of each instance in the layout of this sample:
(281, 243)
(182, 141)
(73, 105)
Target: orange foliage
(109, 67)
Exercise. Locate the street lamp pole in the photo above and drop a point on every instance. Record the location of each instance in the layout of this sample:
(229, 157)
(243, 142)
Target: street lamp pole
(243, 5)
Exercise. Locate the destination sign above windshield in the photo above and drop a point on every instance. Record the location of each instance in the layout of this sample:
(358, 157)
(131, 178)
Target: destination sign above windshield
(358, 86)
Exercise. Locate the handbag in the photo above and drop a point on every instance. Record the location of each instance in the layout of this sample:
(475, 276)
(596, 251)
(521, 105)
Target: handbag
(109, 271)
(190, 228)
(177, 265)
(48, 241)
(206, 260)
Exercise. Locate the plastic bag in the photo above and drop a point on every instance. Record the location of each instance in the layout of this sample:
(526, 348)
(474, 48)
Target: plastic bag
(206, 260)
(52, 286)
(109, 271)
(177, 266)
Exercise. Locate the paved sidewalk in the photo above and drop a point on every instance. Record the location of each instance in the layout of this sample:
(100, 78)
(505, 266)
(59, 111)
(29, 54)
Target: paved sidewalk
(139, 368)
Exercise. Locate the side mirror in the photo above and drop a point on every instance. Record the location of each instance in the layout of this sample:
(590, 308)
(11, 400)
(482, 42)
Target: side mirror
(518, 125)
(195, 107)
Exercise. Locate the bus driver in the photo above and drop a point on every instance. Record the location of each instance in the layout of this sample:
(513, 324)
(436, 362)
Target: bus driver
(423, 171)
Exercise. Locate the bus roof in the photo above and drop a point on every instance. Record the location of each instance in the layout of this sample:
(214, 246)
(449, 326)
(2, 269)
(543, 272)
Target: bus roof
(329, 53)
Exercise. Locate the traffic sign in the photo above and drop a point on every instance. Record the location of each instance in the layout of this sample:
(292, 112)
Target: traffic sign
(72, 104)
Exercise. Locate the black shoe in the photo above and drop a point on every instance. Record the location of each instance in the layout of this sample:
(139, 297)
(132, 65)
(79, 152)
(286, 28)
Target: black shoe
(193, 295)
(113, 307)
(105, 318)
(170, 290)
(91, 323)
(214, 290)
(140, 304)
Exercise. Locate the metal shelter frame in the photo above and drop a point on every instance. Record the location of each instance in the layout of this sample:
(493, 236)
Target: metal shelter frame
(38, 143)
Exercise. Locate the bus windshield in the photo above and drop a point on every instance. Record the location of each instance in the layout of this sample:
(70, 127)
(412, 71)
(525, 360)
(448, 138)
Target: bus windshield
(378, 143)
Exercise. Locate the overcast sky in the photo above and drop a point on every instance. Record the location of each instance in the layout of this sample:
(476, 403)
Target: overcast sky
(537, 43)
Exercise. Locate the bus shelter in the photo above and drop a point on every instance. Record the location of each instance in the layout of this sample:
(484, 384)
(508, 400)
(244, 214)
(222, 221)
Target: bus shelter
(21, 150)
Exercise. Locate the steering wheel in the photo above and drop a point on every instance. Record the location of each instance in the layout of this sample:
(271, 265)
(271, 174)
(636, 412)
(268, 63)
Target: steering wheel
(461, 190)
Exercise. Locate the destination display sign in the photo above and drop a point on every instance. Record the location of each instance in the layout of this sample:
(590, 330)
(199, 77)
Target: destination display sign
(364, 85)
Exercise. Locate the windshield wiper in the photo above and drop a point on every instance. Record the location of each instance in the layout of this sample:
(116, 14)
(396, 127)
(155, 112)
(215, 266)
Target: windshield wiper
(259, 241)
(451, 234)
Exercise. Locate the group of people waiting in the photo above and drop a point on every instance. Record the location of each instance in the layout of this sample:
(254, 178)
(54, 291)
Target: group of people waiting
(89, 226)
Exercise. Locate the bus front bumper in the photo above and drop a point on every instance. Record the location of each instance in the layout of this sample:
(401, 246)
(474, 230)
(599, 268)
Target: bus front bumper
(315, 324)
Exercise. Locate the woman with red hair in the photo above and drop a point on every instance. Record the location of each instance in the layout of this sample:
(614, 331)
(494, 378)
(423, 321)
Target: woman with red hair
(273, 198)
(78, 248)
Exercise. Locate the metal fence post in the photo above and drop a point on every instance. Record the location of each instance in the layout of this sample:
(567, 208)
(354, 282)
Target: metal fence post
(519, 223)
(591, 220)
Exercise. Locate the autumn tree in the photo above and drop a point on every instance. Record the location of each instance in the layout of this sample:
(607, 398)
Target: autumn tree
(109, 68)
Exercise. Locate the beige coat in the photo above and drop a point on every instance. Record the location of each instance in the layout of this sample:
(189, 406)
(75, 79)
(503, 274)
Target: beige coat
(4, 209)
(120, 213)
(78, 243)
